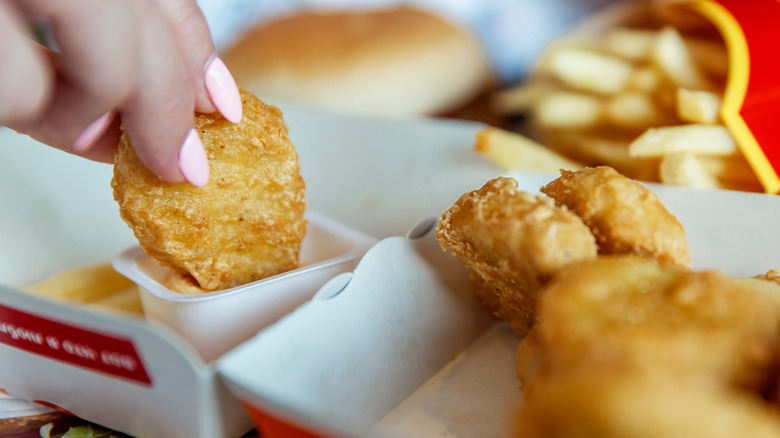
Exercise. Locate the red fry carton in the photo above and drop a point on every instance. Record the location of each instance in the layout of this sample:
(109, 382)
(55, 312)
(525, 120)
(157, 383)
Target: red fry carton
(750, 104)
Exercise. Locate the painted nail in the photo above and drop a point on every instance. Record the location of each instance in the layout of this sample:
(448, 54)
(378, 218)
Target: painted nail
(93, 131)
(223, 90)
(193, 163)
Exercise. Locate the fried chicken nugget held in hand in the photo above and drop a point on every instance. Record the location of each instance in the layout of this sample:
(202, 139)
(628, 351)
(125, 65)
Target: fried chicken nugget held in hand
(515, 242)
(245, 224)
(625, 216)
(637, 313)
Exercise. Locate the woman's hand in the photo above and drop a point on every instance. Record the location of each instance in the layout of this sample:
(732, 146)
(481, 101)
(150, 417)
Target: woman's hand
(150, 62)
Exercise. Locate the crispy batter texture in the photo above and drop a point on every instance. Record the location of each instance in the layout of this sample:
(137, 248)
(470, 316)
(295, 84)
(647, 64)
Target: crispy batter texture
(772, 275)
(489, 297)
(244, 225)
(624, 215)
(515, 242)
(632, 312)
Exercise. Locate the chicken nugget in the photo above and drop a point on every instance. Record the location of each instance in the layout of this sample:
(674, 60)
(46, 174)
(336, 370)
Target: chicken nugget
(245, 224)
(515, 242)
(625, 216)
(617, 403)
(489, 297)
(773, 275)
(638, 313)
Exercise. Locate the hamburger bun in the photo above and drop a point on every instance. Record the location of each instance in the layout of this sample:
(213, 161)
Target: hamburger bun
(390, 62)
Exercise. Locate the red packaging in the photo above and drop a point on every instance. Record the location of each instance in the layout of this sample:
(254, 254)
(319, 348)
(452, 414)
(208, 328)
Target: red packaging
(750, 109)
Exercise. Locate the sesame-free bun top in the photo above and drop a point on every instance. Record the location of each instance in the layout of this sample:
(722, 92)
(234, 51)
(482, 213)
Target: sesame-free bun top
(392, 62)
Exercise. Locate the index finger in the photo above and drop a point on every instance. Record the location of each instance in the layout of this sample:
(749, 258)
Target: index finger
(213, 86)
(25, 75)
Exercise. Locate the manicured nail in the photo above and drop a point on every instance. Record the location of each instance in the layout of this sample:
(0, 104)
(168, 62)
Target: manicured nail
(93, 131)
(193, 163)
(223, 90)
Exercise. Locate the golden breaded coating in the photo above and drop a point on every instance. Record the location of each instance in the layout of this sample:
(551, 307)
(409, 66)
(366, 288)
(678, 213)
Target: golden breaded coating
(244, 225)
(773, 275)
(514, 240)
(624, 215)
(634, 312)
(616, 403)
(490, 299)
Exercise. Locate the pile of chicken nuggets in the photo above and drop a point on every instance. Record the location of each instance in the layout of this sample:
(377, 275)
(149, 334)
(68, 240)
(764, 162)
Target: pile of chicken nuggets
(620, 337)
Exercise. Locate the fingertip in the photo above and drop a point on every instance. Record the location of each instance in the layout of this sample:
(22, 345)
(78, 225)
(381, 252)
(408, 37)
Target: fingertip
(192, 160)
(158, 153)
(92, 133)
(37, 86)
(26, 80)
(222, 90)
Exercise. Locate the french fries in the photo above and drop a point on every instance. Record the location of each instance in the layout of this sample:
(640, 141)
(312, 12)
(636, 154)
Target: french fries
(587, 70)
(563, 109)
(633, 44)
(513, 151)
(633, 110)
(710, 56)
(645, 101)
(97, 285)
(683, 169)
(646, 80)
(670, 54)
(521, 99)
(698, 106)
(696, 139)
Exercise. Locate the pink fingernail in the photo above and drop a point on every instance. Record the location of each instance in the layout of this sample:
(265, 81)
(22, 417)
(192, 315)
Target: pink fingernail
(223, 90)
(193, 163)
(93, 131)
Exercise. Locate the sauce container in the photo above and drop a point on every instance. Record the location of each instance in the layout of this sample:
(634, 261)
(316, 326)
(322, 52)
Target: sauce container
(215, 322)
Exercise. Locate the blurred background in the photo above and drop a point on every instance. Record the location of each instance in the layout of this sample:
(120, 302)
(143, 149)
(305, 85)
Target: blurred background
(512, 32)
(389, 63)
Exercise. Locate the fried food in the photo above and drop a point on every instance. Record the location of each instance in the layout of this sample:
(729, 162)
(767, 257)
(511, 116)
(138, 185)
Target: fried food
(623, 340)
(96, 285)
(628, 95)
(632, 312)
(625, 346)
(514, 151)
(624, 215)
(489, 297)
(772, 275)
(515, 242)
(244, 225)
(609, 403)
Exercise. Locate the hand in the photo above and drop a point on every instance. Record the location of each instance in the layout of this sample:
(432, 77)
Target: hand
(151, 63)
